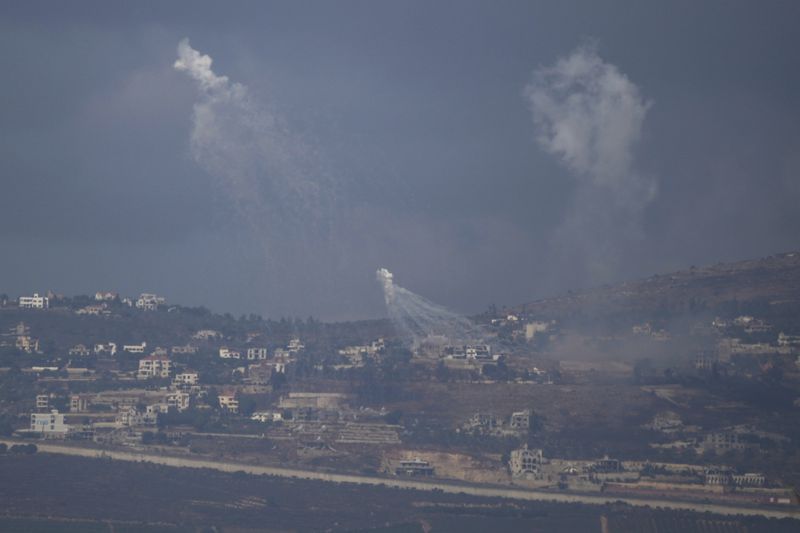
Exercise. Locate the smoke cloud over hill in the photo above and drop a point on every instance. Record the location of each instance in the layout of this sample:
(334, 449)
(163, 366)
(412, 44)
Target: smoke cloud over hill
(589, 115)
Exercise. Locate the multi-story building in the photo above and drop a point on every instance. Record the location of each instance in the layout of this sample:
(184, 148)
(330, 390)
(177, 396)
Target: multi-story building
(295, 346)
(229, 402)
(227, 353)
(478, 351)
(154, 366)
(186, 379)
(723, 441)
(149, 302)
(521, 419)
(27, 344)
(726, 476)
(267, 416)
(43, 401)
(49, 424)
(79, 403)
(79, 350)
(34, 302)
(705, 360)
(109, 348)
(788, 340)
(134, 348)
(179, 400)
(414, 467)
(525, 461)
(104, 296)
(186, 349)
(132, 417)
(484, 422)
(256, 353)
(94, 310)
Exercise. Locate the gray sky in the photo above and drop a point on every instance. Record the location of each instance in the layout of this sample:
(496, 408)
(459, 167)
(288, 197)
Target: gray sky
(492, 152)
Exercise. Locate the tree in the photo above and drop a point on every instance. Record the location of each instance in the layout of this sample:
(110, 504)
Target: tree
(277, 380)
(247, 405)
(212, 397)
(147, 437)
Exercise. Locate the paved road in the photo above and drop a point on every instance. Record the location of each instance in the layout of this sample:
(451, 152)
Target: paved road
(399, 483)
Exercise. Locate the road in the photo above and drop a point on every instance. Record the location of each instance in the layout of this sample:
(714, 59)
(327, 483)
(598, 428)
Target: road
(402, 483)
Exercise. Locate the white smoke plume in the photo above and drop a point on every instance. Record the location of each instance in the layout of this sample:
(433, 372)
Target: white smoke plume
(268, 171)
(589, 115)
(270, 175)
(417, 319)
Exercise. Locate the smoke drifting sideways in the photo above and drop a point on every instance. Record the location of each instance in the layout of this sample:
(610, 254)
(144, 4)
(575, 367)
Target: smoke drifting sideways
(589, 115)
(271, 177)
(418, 320)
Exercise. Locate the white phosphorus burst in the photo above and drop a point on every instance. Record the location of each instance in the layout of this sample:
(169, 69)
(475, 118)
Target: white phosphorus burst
(417, 319)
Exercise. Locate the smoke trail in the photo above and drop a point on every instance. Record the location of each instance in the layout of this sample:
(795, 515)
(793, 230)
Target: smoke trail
(417, 319)
(269, 173)
(590, 115)
(272, 178)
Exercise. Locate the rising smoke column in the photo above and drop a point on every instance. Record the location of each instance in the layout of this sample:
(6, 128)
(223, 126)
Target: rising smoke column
(417, 318)
(589, 115)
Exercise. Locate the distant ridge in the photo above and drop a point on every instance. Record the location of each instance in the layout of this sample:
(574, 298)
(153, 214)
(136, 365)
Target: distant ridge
(772, 281)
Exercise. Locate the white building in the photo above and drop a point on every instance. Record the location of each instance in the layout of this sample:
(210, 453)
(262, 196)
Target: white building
(79, 403)
(109, 348)
(153, 410)
(149, 302)
(186, 349)
(357, 354)
(788, 340)
(49, 424)
(79, 350)
(131, 417)
(134, 348)
(186, 379)
(207, 334)
(43, 401)
(27, 344)
(295, 346)
(34, 302)
(227, 353)
(256, 353)
(521, 419)
(525, 462)
(105, 296)
(267, 416)
(154, 366)
(281, 353)
(478, 351)
(179, 400)
(93, 310)
(228, 401)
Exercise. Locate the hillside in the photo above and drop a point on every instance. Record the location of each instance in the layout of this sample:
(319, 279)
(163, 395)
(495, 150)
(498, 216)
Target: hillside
(769, 285)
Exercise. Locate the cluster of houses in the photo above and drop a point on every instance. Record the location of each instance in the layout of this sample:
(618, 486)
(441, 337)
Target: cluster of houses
(468, 351)
(145, 301)
(357, 355)
(20, 338)
(530, 464)
(135, 407)
(518, 423)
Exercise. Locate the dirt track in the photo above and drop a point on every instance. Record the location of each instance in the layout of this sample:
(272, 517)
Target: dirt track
(452, 488)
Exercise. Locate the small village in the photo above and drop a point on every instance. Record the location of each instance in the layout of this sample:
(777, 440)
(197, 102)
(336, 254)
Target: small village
(260, 398)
